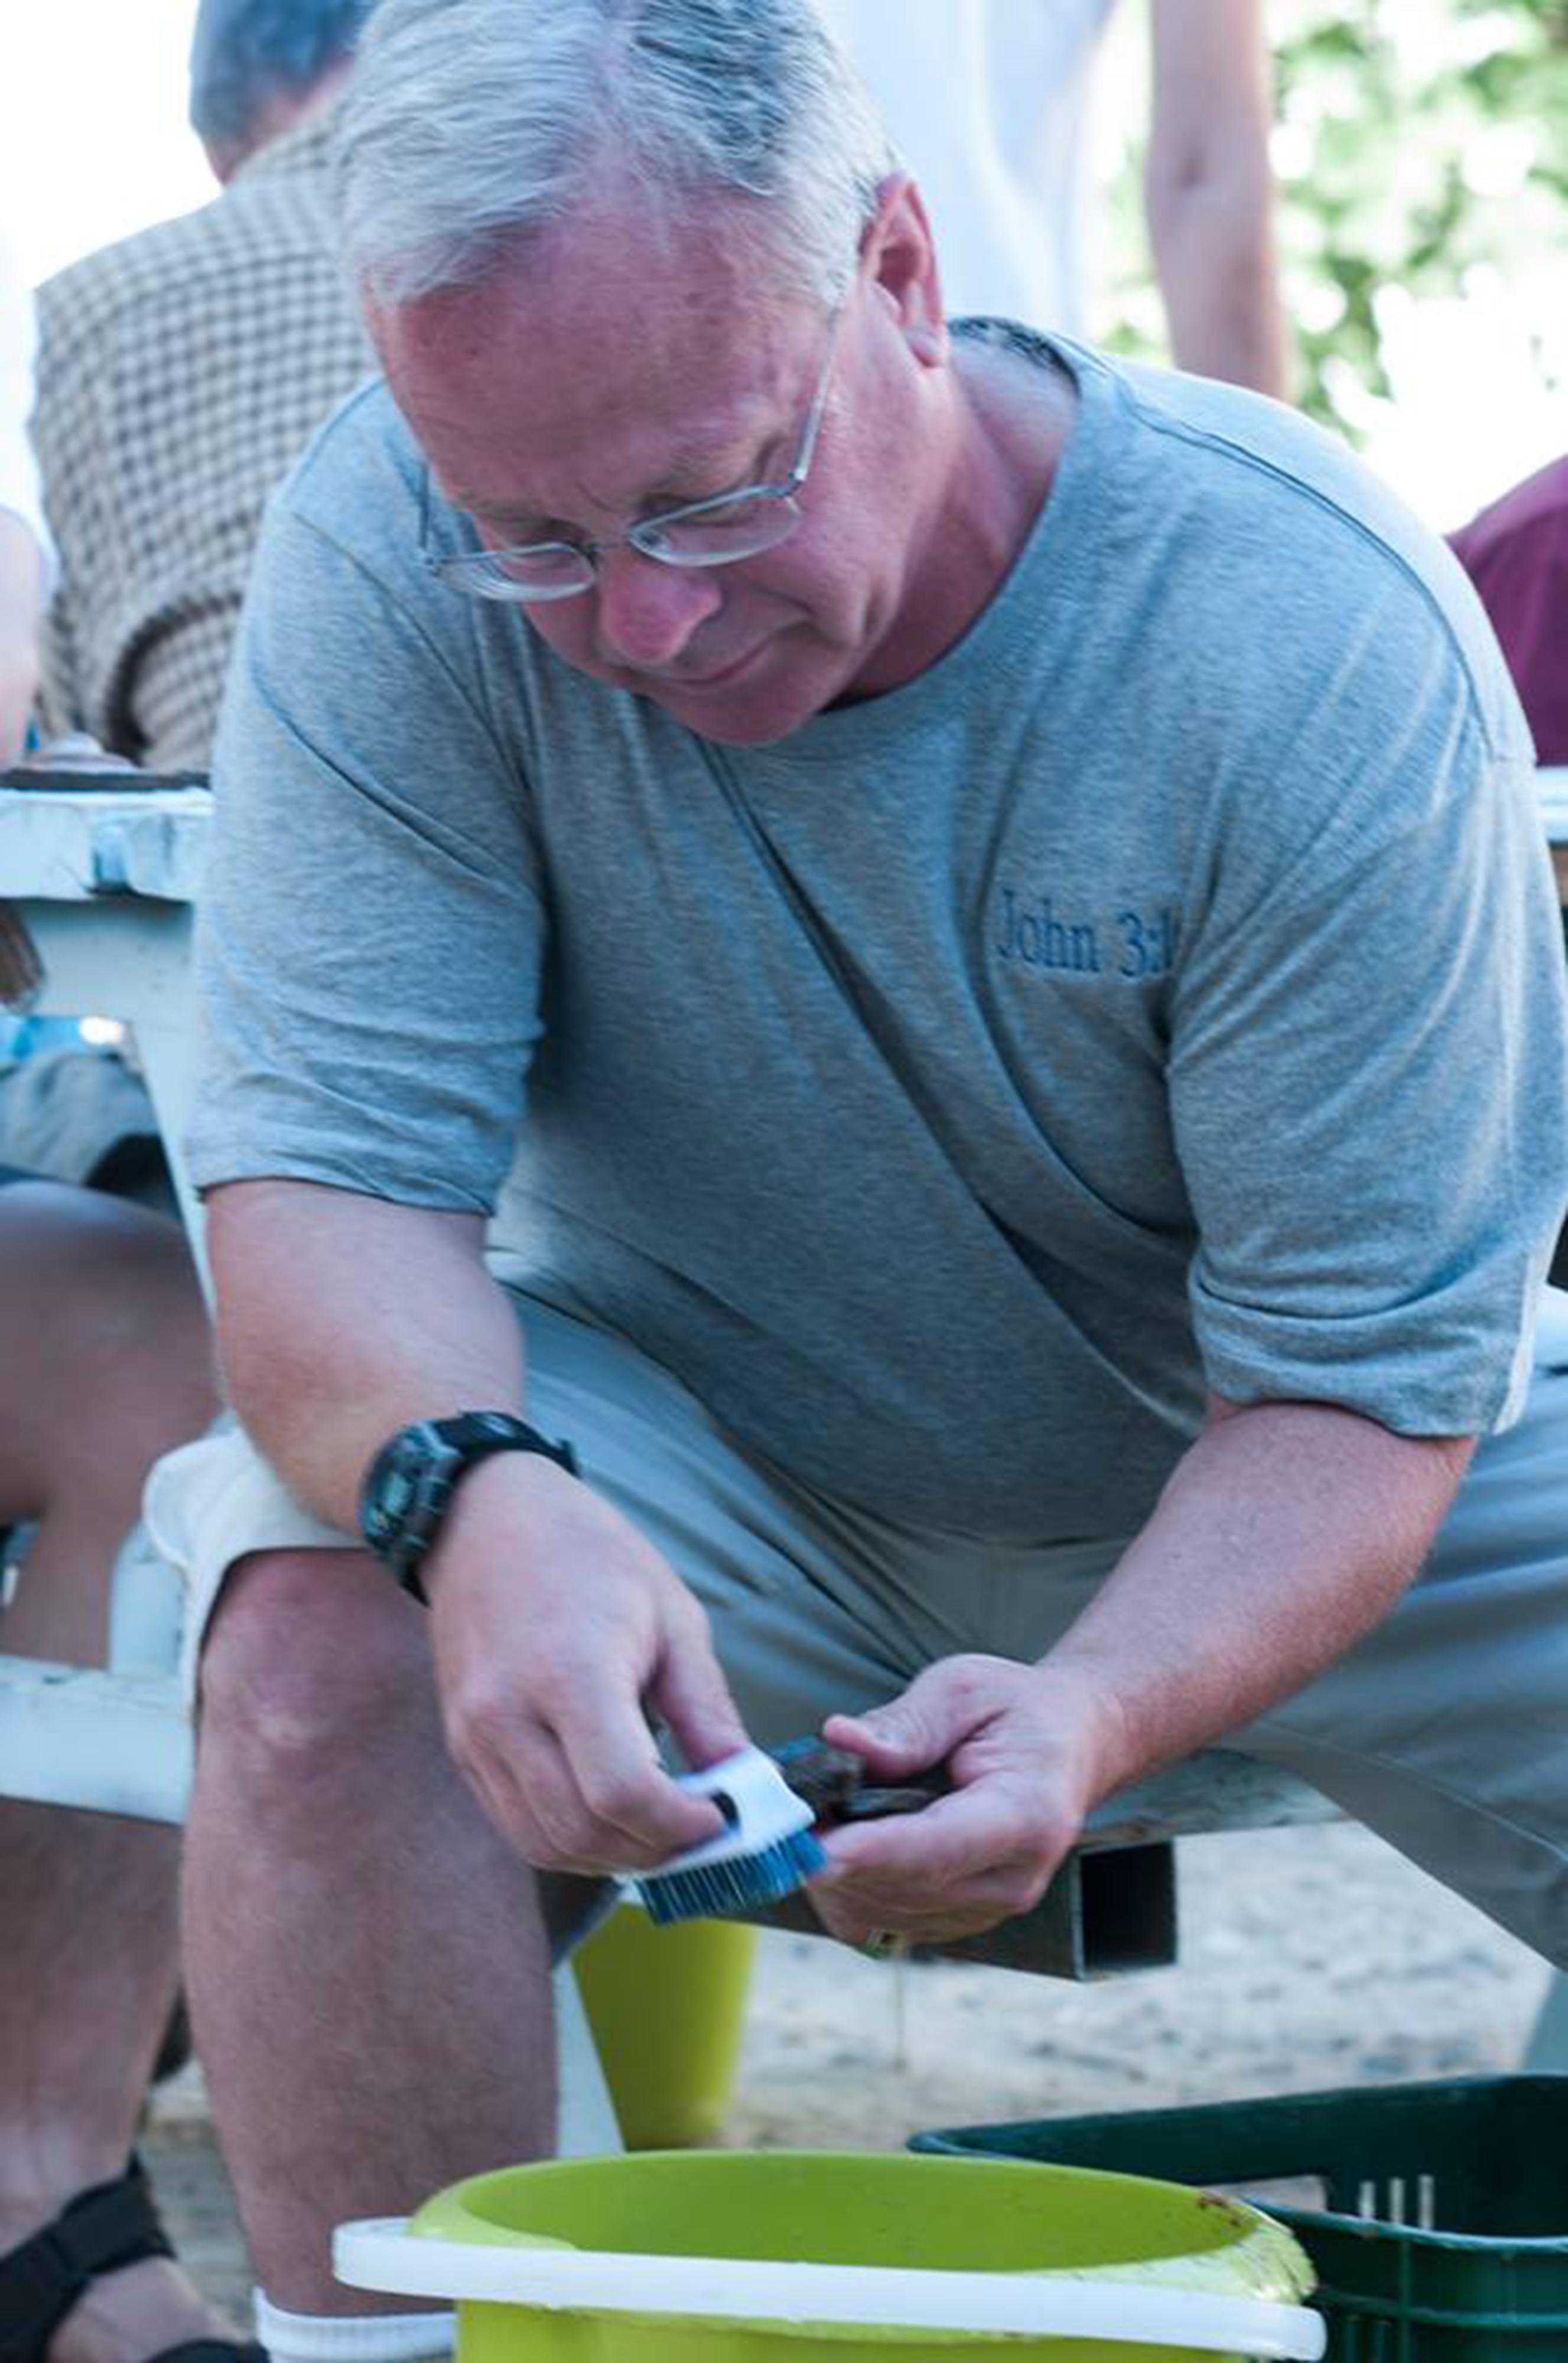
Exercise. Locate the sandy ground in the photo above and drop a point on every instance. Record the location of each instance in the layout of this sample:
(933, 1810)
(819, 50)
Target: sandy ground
(1309, 1957)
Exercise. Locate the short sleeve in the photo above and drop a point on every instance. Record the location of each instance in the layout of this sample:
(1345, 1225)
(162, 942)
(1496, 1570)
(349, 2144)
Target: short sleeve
(1369, 1086)
(372, 921)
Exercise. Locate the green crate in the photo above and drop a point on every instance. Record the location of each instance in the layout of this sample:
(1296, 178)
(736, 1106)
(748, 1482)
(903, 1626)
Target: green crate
(1442, 2235)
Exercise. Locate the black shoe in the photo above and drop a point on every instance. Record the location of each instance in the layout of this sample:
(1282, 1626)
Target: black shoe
(114, 2223)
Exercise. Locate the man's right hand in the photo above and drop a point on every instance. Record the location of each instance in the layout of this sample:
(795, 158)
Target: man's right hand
(555, 1624)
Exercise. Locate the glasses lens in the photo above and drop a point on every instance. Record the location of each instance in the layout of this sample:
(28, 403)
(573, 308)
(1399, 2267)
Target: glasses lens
(718, 536)
(549, 571)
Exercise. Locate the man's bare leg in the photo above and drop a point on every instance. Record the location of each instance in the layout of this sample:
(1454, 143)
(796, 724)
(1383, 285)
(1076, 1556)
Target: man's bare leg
(366, 1968)
(103, 1364)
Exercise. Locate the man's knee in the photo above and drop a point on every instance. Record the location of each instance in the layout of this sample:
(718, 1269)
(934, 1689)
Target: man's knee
(315, 1665)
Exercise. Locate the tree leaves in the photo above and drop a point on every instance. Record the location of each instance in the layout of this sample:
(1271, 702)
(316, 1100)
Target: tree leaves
(1419, 142)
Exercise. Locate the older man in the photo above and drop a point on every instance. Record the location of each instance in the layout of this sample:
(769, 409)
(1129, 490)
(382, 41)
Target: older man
(1009, 889)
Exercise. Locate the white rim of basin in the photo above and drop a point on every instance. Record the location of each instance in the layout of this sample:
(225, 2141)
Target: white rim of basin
(382, 2254)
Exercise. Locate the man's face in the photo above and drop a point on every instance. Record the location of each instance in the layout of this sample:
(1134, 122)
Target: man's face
(603, 376)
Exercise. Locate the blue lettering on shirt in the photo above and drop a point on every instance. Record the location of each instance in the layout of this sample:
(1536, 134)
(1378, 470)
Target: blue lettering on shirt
(1136, 943)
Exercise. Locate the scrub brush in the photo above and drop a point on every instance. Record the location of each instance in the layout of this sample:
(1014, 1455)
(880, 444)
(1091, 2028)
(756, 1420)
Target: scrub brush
(770, 1805)
(766, 1851)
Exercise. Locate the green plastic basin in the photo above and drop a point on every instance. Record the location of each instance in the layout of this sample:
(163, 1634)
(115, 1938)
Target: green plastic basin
(1120, 2245)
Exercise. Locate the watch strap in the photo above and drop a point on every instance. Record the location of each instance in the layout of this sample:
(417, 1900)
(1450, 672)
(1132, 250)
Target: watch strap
(449, 1448)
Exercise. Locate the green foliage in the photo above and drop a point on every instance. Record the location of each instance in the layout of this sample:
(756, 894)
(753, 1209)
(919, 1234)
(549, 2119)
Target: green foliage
(1419, 142)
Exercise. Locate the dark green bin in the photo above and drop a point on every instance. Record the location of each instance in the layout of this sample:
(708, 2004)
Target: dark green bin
(1443, 2233)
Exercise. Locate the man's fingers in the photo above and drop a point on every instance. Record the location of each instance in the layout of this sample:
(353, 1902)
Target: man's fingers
(955, 1838)
(578, 1794)
(854, 1916)
(540, 1810)
(957, 1867)
(942, 1707)
(628, 1801)
(690, 1694)
(519, 1794)
(892, 1741)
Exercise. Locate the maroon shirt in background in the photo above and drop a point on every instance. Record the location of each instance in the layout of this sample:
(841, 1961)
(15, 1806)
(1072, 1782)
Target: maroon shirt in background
(1516, 553)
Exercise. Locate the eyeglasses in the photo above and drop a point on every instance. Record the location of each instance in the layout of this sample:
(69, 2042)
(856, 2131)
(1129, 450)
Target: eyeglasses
(713, 532)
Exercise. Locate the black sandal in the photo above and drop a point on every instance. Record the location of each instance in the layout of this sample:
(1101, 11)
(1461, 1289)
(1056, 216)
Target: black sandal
(114, 2223)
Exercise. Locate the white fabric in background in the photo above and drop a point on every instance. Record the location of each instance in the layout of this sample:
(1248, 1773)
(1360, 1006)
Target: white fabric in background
(988, 103)
(18, 476)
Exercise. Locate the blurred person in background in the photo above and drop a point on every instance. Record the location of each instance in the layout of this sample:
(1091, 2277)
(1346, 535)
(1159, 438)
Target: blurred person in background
(103, 1364)
(179, 373)
(991, 104)
(1516, 553)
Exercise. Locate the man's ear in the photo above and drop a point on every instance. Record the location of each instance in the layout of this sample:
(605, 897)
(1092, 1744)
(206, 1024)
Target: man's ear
(899, 257)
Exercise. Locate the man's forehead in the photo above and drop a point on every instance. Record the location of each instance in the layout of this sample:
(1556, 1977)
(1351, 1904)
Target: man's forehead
(534, 366)
(618, 275)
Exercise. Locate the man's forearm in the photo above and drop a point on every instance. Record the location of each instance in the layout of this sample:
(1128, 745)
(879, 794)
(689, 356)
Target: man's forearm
(1286, 1532)
(340, 1318)
(1210, 190)
(1215, 255)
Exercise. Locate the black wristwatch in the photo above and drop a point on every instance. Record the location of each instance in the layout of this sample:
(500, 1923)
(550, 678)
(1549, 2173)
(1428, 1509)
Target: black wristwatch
(409, 1485)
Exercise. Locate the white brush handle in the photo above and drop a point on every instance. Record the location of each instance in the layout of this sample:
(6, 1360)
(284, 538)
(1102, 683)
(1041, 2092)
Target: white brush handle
(383, 2254)
(766, 1809)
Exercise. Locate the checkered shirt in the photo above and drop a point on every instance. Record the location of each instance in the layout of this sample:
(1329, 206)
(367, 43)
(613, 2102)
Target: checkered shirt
(180, 374)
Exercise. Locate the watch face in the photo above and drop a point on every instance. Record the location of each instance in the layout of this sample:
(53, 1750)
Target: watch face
(411, 1480)
(484, 1427)
(407, 1490)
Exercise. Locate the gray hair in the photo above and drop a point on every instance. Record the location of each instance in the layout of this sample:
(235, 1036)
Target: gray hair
(472, 123)
(244, 53)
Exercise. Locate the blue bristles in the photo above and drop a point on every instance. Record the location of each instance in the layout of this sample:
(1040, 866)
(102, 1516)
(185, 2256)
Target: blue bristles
(766, 1849)
(714, 1888)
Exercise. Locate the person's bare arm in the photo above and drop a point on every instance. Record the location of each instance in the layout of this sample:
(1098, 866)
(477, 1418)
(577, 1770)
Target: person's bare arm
(21, 573)
(1208, 190)
(340, 1318)
(554, 1623)
(1286, 1532)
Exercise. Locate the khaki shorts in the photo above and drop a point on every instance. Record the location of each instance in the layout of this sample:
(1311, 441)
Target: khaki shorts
(1445, 1730)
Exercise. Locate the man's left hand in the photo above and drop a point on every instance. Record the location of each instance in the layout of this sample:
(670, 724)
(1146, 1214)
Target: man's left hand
(1286, 1531)
(1022, 1745)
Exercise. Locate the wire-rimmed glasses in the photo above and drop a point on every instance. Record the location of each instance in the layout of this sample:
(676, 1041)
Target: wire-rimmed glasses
(712, 532)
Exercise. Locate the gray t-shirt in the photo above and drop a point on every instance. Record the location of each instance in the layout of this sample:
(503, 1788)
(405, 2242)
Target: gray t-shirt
(1162, 989)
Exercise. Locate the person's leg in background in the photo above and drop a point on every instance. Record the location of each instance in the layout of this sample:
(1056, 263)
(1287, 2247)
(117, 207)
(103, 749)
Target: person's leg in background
(104, 1363)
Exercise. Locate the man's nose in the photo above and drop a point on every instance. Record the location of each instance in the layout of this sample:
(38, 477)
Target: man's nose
(648, 611)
